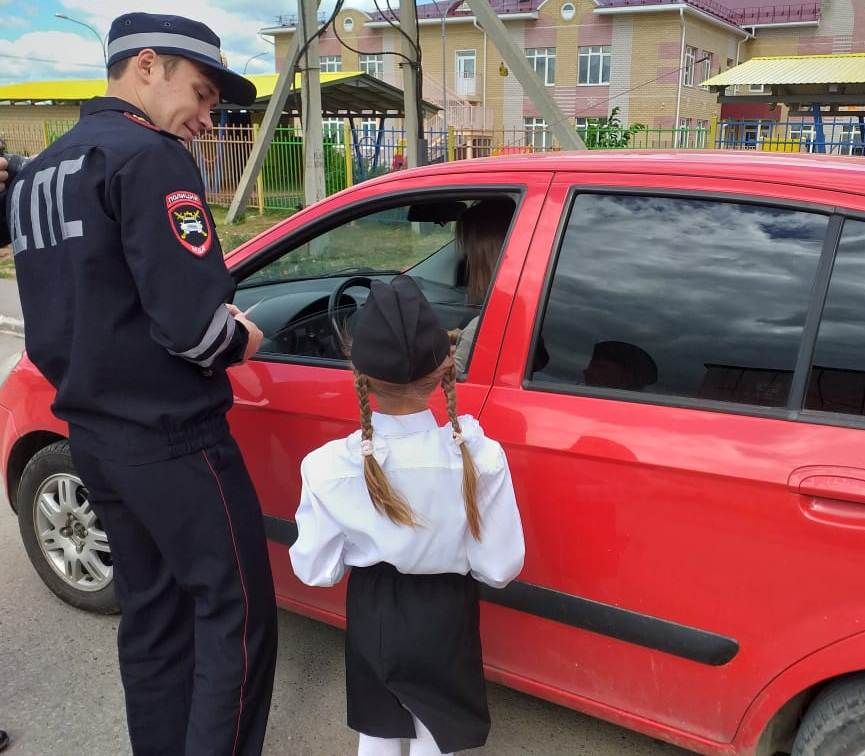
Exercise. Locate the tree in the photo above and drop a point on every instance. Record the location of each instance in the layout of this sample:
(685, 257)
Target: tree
(608, 133)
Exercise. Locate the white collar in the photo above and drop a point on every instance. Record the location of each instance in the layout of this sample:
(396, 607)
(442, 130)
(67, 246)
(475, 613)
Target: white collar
(402, 425)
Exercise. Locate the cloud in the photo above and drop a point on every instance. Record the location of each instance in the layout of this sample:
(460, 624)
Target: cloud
(237, 24)
(30, 56)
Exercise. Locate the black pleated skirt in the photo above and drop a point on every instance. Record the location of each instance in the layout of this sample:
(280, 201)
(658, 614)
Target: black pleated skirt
(413, 647)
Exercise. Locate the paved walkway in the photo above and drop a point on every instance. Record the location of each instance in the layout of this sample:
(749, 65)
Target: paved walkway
(10, 308)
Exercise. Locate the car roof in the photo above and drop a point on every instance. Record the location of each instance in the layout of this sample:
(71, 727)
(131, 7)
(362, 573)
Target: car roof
(829, 172)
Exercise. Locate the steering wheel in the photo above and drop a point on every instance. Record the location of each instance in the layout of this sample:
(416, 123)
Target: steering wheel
(333, 303)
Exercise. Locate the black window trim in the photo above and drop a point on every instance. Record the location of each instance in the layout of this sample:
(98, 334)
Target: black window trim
(835, 216)
(343, 214)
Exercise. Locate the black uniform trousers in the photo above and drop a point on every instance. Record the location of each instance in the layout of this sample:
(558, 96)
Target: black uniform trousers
(197, 638)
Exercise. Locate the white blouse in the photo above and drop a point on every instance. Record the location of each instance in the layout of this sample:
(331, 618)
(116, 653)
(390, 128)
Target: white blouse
(339, 527)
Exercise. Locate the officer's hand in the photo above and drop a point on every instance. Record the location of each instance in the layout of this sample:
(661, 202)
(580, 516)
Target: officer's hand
(255, 334)
(4, 176)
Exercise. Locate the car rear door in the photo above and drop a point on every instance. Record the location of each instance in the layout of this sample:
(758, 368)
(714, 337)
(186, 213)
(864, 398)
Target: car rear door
(682, 542)
(286, 407)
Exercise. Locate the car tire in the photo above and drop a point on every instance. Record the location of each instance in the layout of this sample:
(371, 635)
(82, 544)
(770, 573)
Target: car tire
(62, 535)
(834, 724)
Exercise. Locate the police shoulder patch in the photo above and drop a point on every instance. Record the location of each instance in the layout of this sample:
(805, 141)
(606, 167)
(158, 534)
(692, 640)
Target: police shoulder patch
(189, 221)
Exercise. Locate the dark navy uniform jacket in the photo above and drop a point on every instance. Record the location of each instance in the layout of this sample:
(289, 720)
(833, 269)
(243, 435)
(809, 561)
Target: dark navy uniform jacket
(123, 287)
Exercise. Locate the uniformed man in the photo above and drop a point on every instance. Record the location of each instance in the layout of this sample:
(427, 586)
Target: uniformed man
(124, 293)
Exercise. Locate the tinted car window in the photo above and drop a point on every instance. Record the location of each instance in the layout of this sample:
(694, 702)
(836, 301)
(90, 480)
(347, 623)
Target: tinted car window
(837, 380)
(683, 297)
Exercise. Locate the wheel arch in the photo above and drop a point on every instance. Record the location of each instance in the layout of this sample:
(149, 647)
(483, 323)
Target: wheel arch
(773, 717)
(22, 452)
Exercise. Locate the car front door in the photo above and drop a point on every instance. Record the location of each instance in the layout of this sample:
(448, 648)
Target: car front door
(295, 395)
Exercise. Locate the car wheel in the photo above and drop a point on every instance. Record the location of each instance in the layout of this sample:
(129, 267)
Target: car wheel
(61, 533)
(834, 724)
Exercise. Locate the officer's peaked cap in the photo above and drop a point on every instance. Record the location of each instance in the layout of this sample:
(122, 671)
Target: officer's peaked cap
(176, 35)
(396, 336)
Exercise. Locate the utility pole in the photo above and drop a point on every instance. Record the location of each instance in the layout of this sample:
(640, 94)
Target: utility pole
(415, 144)
(310, 109)
(516, 60)
(272, 114)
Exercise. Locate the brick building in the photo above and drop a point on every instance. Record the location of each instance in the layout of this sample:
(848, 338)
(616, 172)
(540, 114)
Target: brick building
(648, 57)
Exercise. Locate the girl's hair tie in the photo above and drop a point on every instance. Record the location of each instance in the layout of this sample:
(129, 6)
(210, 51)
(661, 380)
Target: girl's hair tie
(366, 448)
(458, 439)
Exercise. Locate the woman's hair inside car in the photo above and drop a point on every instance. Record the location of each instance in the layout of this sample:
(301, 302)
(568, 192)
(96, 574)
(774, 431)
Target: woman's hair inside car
(480, 236)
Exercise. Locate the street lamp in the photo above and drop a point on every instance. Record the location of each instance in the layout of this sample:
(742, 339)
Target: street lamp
(257, 55)
(88, 26)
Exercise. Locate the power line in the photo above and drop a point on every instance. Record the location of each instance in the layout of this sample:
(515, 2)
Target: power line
(49, 60)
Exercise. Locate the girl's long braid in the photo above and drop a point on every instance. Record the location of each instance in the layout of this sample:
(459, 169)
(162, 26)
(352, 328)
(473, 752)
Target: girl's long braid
(470, 474)
(384, 498)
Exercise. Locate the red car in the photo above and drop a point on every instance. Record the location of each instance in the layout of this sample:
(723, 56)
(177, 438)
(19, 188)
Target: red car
(670, 351)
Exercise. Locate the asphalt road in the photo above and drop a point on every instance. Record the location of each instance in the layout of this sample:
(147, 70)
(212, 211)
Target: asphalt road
(60, 688)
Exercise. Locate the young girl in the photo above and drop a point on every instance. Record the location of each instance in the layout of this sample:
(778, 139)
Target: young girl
(419, 512)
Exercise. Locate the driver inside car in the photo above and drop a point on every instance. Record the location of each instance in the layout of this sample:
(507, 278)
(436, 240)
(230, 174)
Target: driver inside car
(480, 236)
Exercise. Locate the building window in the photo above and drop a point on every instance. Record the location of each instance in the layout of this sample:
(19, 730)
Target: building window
(348, 23)
(568, 11)
(803, 135)
(466, 72)
(851, 140)
(373, 65)
(538, 136)
(331, 130)
(594, 65)
(369, 128)
(702, 134)
(757, 88)
(688, 70)
(543, 60)
(708, 59)
(330, 63)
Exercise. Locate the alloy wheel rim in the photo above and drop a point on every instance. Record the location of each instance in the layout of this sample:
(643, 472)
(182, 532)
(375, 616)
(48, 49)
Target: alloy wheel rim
(69, 534)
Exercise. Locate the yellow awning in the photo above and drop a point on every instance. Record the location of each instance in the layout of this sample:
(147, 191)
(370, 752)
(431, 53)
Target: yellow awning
(848, 68)
(76, 90)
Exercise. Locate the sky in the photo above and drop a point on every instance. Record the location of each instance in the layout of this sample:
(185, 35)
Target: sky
(35, 45)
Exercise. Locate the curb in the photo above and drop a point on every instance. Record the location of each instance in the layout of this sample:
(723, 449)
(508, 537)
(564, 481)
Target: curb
(11, 326)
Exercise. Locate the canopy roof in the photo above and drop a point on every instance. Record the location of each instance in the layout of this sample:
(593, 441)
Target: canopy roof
(347, 93)
(799, 81)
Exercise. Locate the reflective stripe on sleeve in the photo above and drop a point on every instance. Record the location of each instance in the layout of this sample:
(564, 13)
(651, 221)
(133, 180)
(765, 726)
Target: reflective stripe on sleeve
(220, 331)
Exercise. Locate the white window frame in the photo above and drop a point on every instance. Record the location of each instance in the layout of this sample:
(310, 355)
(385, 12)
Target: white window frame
(537, 126)
(330, 63)
(702, 133)
(756, 88)
(374, 61)
(805, 134)
(688, 69)
(708, 60)
(368, 128)
(604, 54)
(540, 59)
(332, 126)
(465, 86)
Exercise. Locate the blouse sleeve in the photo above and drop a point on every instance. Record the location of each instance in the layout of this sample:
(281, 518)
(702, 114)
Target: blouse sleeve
(498, 557)
(317, 554)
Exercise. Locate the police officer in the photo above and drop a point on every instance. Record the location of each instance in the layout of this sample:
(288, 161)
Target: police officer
(124, 293)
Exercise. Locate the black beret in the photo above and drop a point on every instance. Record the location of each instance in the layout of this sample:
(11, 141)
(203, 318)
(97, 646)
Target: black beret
(396, 336)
